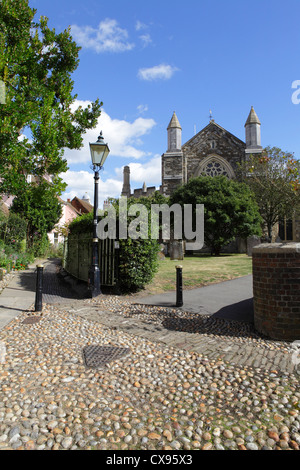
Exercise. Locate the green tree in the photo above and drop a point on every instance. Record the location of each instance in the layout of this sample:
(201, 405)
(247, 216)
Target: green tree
(41, 208)
(13, 230)
(273, 177)
(36, 65)
(230, 209)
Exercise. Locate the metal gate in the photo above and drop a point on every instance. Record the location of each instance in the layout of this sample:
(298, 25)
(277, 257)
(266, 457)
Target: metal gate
(78, 256)
(107, 262)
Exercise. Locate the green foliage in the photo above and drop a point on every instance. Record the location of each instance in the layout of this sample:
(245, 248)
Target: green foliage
(12, 259)
(138, 259)
(36, 64)
(40, 245)
(230, 210)
(274, 178)
(81, 224)
(41, 209)
(138, 262)
(13, 231)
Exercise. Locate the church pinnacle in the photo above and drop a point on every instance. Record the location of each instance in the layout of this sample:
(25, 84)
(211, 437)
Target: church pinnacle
(252, 128)
(174, 134)
(174, 123)
(252, 118)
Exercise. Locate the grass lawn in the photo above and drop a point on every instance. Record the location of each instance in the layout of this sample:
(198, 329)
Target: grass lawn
(199, 271)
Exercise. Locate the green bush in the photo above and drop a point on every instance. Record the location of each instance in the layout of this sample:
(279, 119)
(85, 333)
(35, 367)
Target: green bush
(138, 262)
(138, 259)
(13, 231)
(10, 259)
(81, 224)
(40, 246)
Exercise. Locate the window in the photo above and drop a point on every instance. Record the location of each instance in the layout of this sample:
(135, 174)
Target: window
(286, 230)
(214, 165)
(55, 238)
(215, 168)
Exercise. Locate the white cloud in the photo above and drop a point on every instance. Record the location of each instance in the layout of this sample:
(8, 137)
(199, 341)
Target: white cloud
(108, 37)
(123, 137)
(158, 72)
(139, 25)
(142, 108)
(146, 39)
(149, 172)
(82, 182)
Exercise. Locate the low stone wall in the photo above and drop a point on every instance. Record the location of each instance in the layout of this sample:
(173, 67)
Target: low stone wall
(276, 290)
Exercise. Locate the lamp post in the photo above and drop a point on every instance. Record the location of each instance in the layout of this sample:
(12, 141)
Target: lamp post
(99, 152)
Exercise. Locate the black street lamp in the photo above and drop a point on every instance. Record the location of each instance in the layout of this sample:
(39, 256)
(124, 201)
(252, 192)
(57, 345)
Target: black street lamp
(99, 152)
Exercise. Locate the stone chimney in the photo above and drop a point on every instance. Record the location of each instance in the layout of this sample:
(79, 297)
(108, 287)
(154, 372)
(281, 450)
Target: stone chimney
(126, 191)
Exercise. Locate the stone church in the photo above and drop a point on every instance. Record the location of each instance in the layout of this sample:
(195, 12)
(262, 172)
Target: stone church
(212, 151)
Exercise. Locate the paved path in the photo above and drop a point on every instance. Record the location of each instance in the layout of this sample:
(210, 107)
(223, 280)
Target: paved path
(229, 300)
(232, 300)
(19, 295)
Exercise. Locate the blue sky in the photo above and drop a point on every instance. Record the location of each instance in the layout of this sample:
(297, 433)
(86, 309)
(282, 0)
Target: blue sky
(145, 60)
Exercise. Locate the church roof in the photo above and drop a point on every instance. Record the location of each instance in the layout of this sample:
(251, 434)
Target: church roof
(252, 118)
(212, 124)
(174, 122)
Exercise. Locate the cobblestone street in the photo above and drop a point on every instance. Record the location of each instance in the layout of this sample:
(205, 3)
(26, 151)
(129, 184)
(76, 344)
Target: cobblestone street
(184, 382)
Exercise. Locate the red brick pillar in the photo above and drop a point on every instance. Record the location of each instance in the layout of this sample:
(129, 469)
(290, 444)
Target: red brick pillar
(276, 290)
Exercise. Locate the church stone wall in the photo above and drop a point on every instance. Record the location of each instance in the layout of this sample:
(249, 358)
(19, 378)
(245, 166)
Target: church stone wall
(172, 172)
(212, 140)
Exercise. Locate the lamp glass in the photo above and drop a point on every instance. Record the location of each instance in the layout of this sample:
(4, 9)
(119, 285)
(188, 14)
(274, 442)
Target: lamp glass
(99, 152)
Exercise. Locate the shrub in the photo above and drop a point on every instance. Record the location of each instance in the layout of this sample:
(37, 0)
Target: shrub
(138, 262)
(138, 259)
(10, 259)
(40, 245)
(13, 231)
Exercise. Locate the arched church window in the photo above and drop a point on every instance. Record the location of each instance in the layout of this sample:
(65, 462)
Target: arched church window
(215, 165)
(215, 168)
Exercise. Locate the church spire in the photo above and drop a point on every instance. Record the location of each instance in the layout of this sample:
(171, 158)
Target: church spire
(252, 118)
(252, 129)
(174, 134)
(174, 123)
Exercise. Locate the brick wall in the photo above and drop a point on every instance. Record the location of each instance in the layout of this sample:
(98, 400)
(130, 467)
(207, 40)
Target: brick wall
(276, 290)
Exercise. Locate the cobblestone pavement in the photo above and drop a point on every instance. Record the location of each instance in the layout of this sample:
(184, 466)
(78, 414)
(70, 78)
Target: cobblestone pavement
(180, 383)
(250, 351)
(253, 351)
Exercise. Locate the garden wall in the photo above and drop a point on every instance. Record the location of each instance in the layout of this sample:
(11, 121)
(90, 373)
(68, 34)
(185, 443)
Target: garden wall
(276, 290)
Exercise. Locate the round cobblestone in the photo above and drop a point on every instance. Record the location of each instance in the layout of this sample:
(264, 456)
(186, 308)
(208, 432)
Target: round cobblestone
(157, 396)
